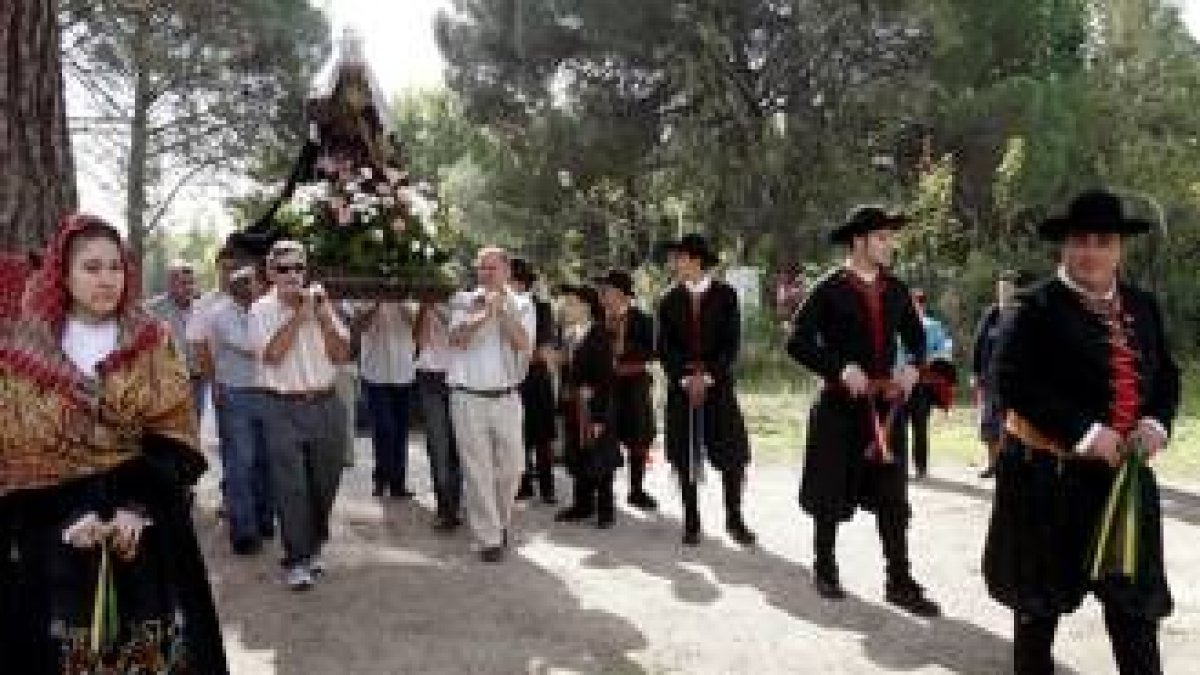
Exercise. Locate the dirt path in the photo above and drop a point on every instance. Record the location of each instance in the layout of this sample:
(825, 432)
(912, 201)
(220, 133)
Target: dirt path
(403, 599)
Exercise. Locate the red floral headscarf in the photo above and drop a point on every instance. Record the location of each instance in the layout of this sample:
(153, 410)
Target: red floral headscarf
(33, 345)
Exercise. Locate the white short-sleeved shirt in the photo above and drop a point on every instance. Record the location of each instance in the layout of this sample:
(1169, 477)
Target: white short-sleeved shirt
(306, 366)
(386, 349)
(199, 324)
(489, 362)
(435, 352)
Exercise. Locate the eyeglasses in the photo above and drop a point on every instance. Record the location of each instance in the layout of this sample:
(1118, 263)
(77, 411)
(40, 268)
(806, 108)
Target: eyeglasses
(298, 268)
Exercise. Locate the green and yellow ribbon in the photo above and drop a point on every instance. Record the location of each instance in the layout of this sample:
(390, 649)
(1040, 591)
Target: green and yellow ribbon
(105, 620)
(1117, 546)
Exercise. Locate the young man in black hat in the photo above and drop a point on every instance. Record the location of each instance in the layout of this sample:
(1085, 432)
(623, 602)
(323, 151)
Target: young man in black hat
(631, 332)
(699, 334)
(537, 392)
(845, 332)
(1086, 377)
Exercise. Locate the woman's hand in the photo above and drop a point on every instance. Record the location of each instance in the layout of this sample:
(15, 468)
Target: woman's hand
(125, 532)
(86, 532)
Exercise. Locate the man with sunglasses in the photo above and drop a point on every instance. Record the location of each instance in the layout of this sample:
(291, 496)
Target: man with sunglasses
(298, 339)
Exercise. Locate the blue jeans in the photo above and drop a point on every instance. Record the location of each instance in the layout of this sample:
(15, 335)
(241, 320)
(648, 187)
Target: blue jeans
(388, 406)
(249, 502)
(199, 395)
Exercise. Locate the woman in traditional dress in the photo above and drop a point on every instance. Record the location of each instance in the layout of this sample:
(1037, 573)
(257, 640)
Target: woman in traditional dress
(100, 571)
(1084, 373)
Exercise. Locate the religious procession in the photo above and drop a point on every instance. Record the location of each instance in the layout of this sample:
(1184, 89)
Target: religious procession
(372, 440)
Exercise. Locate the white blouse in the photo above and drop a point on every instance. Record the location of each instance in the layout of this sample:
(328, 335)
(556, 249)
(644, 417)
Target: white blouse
(87, 344)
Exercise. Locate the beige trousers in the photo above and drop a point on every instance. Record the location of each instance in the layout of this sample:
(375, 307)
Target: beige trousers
(492, 451)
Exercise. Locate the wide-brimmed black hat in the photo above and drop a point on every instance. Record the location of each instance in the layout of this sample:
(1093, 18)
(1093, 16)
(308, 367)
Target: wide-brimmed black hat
(694, 245)
(865, 219)
(585, 293)
(1093, 211)
(521, 271)
(618, 279)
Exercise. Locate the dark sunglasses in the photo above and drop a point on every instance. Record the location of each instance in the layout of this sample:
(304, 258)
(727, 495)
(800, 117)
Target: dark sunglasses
(298, 268)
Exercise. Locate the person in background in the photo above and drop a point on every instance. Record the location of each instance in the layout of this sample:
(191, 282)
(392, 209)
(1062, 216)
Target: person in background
(938, 347)
(591, 449)
(433, 394)
(238, 403)
(631, 333)
(537, 392)
(298, 340)
(491, 337)
(387, 368)
(699, 336)
(175, 307)
(987, 333)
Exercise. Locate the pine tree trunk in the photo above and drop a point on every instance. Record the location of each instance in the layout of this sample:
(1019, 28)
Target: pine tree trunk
(135, 172)
(37, 177)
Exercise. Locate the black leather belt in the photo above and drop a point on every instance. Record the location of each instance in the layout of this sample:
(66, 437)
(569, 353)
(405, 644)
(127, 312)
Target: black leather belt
(484, 393)
(303, 396)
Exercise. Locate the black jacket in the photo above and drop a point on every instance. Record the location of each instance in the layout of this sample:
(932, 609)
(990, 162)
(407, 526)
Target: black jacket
(1052, 363)
(708, 343)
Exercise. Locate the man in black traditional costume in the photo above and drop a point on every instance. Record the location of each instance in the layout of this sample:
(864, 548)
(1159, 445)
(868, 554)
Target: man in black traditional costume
(699, 335)
(1086, 378)
(845, 332)
(632, 333)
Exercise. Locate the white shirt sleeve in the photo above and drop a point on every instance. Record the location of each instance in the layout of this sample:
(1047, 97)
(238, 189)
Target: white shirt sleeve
(1085, 443)
(261, 328)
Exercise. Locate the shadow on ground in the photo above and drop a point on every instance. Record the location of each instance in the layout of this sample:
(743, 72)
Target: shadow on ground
(403, 600)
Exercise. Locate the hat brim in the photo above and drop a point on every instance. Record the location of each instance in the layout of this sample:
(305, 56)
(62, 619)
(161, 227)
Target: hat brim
(706, 257)
(1056, 229)
(605, 281)
(845, 233)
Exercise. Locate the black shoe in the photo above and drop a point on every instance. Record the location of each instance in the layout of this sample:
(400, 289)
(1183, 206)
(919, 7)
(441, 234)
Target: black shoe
(606, 520)
(691, 536)
(739, 532)
(379, 489)
(643, 501)
(920, 475)
(246, 546)
(549, 499)
(909, 596)
(400, 492)
(989, 472)
(492, 554)
(526, 490)
(573, 514)
(828, 586)
(267, 531)
(447, 523)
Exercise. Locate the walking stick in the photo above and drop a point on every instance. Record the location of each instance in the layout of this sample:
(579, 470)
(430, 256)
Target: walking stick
(697, 452)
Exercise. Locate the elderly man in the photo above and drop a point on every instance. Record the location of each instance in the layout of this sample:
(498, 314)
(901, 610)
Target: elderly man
(298, 339)
(175, 307)
(491, 331)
